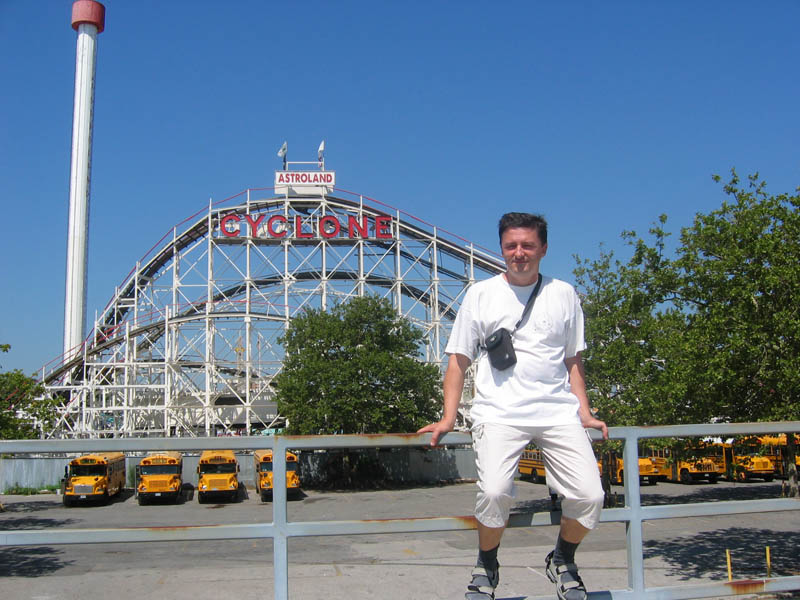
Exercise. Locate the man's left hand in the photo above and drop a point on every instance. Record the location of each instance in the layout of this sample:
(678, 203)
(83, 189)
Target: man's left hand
(592, 422)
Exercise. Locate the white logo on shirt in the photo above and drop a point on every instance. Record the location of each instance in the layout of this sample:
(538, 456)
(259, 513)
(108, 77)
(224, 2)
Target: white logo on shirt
(543, 323)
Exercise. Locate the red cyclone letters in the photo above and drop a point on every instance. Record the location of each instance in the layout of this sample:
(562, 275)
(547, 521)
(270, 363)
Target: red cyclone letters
(300, 228)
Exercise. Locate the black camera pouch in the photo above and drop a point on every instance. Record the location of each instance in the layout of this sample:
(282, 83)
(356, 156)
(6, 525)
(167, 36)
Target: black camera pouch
(501, 350)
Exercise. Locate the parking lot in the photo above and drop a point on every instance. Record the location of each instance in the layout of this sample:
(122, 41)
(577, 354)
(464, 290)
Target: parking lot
(425, 565)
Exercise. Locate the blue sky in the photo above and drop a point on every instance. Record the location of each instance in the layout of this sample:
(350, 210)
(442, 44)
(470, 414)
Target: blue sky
(601, 116)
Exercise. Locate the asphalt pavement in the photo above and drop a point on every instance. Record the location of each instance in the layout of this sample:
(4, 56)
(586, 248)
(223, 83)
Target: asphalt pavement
(389, 566)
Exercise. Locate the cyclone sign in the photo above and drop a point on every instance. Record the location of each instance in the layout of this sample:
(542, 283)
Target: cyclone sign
(278, 226)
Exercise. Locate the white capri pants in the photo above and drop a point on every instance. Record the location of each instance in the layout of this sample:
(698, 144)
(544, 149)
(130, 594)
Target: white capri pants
(569, 461)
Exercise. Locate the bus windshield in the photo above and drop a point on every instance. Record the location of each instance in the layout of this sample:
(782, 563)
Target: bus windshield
(221, 468)
(159, 469)
(747, 450)
(87, 470)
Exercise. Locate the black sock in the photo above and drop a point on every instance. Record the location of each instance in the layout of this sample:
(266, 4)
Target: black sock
(488, 559)
(564, 552)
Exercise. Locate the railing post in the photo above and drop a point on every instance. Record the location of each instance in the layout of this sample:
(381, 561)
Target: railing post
(280, 547)
(633, 527)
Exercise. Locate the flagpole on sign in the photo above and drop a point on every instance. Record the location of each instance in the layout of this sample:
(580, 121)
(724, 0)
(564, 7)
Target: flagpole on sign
(282, 153)
(321, 155)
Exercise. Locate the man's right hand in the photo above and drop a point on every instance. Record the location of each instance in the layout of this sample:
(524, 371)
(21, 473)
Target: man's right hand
(453, 386)
(437, 430)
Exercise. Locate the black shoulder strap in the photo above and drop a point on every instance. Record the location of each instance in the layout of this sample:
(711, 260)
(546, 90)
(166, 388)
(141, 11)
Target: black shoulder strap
(529, 305)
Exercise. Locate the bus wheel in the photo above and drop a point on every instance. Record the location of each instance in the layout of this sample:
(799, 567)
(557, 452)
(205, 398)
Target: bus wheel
(201, 498)
(67, 501)
(686, 476)
(713, 478)
(768, 478)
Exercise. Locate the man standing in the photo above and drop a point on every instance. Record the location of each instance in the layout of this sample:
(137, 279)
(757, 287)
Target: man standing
(542, 398)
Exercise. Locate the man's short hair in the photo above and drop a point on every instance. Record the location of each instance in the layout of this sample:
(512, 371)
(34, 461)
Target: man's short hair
(526, 220)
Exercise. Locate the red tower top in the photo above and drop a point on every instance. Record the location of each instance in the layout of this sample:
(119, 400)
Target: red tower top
(88, 11)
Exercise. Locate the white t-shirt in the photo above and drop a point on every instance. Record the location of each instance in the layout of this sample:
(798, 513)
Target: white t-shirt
(536, 390)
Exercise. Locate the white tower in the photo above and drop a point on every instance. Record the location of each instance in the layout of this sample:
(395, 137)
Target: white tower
(88, 19)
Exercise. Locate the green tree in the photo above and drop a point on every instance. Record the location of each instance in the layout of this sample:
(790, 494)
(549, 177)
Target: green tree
(739, 282)
(739, 277)
(24, 413)
(631, 327)
(711, 334)
(353, 369)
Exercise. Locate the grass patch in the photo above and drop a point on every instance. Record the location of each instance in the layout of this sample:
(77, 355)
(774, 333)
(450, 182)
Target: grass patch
(19, 490)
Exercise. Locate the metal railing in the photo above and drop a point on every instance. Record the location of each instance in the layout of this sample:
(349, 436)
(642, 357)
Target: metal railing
(281, 529)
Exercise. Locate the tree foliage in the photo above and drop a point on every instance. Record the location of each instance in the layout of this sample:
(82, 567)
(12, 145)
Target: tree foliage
(23, 411)
(353, 369)
(631, 330)
(739, 278)
(711, 333)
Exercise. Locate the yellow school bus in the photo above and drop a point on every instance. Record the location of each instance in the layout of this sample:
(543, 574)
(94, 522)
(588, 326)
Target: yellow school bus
(686, 469)
(647, 469)
(93, 477)
(531, 464)
(218, 475)
(744, 459)
(775, 445)
(159, 476)
(263, 473)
